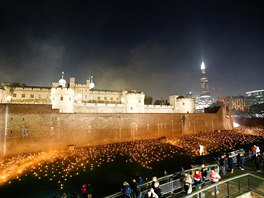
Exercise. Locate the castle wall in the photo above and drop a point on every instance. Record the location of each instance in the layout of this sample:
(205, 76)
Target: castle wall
(99, 108)
(32, 128)
(159, 109)
(2, 128)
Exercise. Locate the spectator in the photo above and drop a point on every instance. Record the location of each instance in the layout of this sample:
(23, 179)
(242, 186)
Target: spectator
(155, 186)
(140, 180)
(64, 195)
(84, 190)
(136, 189)
(197, 179)
(128, 193)
(257, 150)
(89, 191)
(254, 152)
(241, 159)
(258, 162)
(231, 162)
(154, 179)
(223, 164)
(187, 183)
(157, 189)
(204, 173)
(151, 194)
(182, 173)
(215, 177)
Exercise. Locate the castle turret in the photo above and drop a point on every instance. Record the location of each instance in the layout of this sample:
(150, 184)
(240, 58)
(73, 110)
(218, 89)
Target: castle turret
(62, 81)
(134, 101)
(72, 82)
(91, 83)
(62, 98)
(182, 105)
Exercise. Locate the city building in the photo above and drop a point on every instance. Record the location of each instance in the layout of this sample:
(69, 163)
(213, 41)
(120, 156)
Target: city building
(254, 97)
(204, 87)
(204, 100)
(236, 103)
(84, 98)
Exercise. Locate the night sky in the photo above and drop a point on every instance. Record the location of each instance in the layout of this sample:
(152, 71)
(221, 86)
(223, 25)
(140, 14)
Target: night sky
(152, 46)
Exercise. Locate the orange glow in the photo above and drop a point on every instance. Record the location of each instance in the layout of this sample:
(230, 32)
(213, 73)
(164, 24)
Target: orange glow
(61, 166)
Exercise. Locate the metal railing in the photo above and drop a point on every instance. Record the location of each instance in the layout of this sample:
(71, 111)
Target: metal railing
(237, 185)
(169, 183)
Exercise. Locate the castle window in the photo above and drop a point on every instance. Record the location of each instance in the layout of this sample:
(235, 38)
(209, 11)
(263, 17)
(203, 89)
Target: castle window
(105, 98)
(139, 101)
(131, 108)
(117, 98)
(31, 95)
(14, 95)
(98, 98)
(69, 98)
(53, 98)
(111, 98)
(183, 103)
(61, 98)
(23, 95)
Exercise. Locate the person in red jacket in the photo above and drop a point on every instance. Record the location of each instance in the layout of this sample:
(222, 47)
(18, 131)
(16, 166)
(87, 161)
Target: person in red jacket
(84, 190)
(197, 179)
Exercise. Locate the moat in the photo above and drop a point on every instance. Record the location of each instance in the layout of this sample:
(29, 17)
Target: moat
(106, 167)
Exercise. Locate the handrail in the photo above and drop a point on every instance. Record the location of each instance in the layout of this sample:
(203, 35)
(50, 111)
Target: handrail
(207, 166)
(222, 182)
(160, 179)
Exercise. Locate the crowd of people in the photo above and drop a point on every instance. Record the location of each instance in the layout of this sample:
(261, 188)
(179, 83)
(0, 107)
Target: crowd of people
(226, 143)
(190, 181)
(133, 189)
(198, 179)
(195, 180)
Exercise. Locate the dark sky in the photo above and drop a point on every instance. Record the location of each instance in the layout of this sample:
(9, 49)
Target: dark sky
(152, 46)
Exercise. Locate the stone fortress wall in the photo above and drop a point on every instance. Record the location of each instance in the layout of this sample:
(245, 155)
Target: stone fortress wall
(38, 127)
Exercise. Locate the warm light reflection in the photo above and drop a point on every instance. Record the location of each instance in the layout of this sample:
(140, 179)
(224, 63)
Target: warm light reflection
(217, 141)
(62, 166)
(235, 124)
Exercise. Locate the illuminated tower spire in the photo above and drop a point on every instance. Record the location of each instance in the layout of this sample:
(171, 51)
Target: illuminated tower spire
(62, 82)
(92, 85)
(204, 82)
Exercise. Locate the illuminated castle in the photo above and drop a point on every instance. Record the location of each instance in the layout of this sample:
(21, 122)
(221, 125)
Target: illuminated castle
(84, 98)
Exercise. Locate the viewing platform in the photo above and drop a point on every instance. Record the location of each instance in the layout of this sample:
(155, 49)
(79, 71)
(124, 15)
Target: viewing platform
(247, 183)
(240, 183)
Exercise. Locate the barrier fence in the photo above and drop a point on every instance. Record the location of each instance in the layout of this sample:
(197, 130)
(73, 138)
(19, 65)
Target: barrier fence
(236, 186)
(170, 183)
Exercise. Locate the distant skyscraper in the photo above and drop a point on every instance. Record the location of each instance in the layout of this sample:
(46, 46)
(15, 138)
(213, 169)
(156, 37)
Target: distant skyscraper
(204, 82)
(204, 100)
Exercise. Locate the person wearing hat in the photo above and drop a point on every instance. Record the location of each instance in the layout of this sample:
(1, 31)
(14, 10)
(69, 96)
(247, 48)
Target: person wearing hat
(127, 190)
